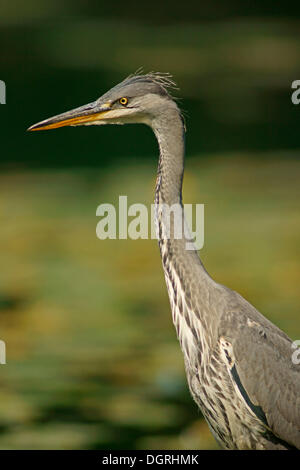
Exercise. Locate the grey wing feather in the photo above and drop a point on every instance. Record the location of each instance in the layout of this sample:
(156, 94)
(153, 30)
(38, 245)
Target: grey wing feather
(263, 360)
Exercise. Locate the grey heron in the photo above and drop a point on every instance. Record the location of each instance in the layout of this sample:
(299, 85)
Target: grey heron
(238, 364)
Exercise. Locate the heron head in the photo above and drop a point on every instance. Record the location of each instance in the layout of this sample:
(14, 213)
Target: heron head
(138, 98)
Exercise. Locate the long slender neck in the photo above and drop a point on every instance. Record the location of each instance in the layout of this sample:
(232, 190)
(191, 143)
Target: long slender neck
(190, 287)
(169, 131)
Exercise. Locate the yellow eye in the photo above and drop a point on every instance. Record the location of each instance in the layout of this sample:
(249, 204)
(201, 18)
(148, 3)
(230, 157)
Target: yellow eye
(123, 101)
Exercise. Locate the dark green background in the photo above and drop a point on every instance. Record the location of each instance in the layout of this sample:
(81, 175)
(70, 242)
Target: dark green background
(234, 64)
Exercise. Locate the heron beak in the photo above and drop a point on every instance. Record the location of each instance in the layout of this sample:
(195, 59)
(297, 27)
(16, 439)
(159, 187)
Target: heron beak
(85, 115)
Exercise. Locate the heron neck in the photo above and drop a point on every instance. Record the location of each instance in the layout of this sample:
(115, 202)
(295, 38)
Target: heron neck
(169, 131)
(186, 278)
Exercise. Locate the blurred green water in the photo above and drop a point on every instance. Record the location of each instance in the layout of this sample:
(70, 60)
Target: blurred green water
(92, 357)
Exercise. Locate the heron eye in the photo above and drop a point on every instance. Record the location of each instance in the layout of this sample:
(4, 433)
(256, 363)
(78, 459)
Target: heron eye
(123, 101)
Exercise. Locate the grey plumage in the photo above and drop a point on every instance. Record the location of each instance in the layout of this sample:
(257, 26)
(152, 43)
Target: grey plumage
(238, 364)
